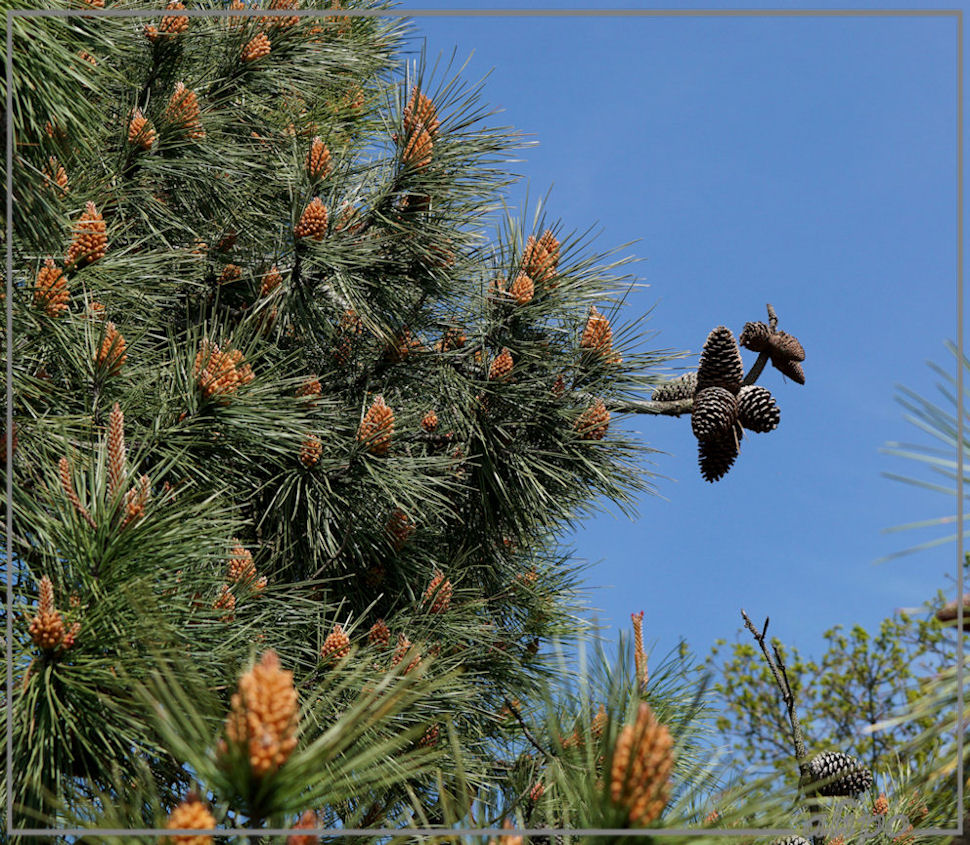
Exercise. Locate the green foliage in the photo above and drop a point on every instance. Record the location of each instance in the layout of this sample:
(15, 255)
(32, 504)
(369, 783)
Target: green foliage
(939, 422)
(254, 461)
(859, 680)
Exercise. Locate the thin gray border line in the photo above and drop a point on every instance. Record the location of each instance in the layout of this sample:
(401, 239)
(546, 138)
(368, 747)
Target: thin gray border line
(723, 13)
(414, 831)
(9, 422)
(494, 13)
(960, 607)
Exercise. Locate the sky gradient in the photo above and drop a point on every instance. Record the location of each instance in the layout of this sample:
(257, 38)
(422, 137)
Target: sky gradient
(810, 163)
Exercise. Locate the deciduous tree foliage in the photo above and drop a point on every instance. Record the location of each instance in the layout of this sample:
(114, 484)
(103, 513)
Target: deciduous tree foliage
(860, 680)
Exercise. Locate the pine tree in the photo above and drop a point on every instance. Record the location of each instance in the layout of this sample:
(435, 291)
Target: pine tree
(292, 460)
(268, 401)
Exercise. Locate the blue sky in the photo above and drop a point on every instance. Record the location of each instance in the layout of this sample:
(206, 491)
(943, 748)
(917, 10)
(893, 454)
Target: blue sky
(810, 163)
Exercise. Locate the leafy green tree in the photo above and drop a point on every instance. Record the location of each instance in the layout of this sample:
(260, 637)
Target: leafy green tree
(861, 679)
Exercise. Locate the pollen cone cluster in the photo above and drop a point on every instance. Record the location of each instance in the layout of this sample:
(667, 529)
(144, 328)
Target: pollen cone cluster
(400, 527)
(220, 372)
(241, 566)
(541, 258)
(233, 20)
(136, 500)
(348, 215)
(50, 289)
(191, 814)
(140, 131)
(90, 241)
(336, 645)
(403, 647)
(257, 47)
(47, 627)
(183, 111)
(318, 160)
(429, 422)
(264, 715)
(417, 150)
(784, 350)
(226, 600)
(594, 422)
(308, 821)
(94, 311)
(111, 354)
(454, 338)
(639, 655)
(522, 289)
(281, 21)
(230, 273)
(501, 366)
(401, 345)
(174, 24)
(597, 335)
(438, 593)
(271, 281)
(310, 388)
(430, 737)
(682, 387)
(846, 775)
(313, 222)
(420, 111)
(642, 763)
(377, 427)
(117, 454)
(55, 173)
(379, 633)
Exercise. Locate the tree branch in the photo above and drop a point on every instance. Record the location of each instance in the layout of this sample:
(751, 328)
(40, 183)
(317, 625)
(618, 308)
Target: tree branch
(525, 730)
(685, 406)
(777, 666)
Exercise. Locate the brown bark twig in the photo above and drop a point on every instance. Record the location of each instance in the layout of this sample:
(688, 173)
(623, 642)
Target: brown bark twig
(777, 667)
(525, 729)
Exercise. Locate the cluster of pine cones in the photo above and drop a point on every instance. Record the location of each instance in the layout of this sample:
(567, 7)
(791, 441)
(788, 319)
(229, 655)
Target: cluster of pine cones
(723, 405)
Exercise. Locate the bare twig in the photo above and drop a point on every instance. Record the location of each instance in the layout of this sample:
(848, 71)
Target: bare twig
(676, 408)
(772, 318)
(777, 666)
(778, 670)
(525, 729)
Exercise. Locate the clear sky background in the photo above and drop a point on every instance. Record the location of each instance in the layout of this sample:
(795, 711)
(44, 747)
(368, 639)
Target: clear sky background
(810, 163)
